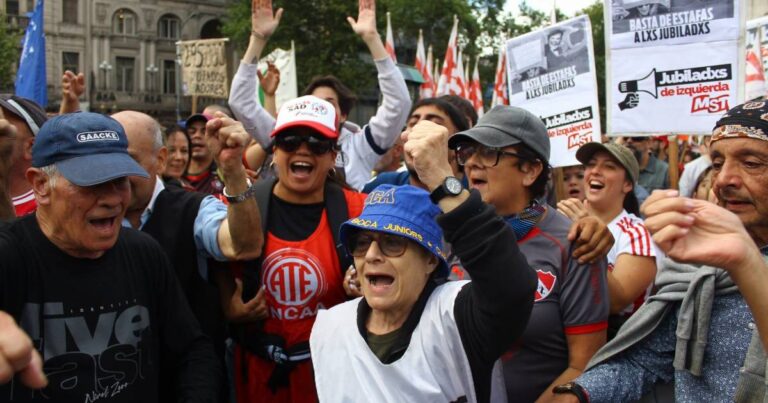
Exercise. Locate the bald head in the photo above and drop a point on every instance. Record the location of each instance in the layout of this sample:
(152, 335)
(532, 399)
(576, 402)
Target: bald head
(140, 127)
(145, 145)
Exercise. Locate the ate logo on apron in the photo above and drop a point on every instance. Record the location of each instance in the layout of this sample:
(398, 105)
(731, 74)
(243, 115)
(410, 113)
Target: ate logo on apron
(294, 282)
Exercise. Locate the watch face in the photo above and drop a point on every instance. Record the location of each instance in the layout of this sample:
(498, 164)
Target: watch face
(453, 185)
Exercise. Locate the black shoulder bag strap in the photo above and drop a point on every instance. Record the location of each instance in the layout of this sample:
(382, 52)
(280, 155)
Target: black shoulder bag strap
(252, 271)
(336, 208)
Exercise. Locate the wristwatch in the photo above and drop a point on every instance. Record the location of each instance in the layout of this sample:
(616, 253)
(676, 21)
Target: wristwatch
(242, 196)
(450, 187)
(574, 389)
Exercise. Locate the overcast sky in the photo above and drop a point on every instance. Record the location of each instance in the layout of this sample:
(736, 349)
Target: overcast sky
(568, 7)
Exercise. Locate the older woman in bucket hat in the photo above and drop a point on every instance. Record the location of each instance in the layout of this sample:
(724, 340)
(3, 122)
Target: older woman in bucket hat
(408, 338)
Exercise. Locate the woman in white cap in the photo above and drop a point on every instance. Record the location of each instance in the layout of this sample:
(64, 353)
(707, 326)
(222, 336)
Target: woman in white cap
(301, 269)
(609, 180)
(409, 339)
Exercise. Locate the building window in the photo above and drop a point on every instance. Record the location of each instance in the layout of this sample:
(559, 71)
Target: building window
(124, 73)
(30, 5)
(12, 7)
(168, 27)
(70, 61)
(69, 11)
(124, 22)
(169, 76)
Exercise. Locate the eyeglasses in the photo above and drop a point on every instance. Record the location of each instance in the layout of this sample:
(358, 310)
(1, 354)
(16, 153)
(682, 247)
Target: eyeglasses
(486, 156)
(291, 142)
(389, 245)
(638, 139)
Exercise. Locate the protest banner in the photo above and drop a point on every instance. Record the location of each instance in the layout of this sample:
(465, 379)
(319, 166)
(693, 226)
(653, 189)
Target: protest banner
(756, 67)
(551, 73)
(673, 65)
(204, 68)
(637, 23)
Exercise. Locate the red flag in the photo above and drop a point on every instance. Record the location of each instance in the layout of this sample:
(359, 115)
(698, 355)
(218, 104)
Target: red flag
(475, 90)
(436, 73)
(462, 77)
(424, 66)
(390, 43)
(451, 79)
(500, 84)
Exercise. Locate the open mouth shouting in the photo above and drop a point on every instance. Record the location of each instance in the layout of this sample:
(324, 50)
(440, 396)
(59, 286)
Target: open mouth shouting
(301, 169)
(379, 282)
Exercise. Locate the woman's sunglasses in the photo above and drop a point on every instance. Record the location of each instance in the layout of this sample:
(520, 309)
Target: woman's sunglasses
(317, 145)
(389, 245)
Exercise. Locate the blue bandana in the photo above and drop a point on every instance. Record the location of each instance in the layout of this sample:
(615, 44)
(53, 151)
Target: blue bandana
(524, 222)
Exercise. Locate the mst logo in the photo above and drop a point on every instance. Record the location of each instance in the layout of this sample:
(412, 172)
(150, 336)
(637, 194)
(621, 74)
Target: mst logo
(710, 104)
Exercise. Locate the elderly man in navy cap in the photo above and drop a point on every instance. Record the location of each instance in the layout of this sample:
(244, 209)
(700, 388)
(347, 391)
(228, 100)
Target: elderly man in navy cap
(99, 301)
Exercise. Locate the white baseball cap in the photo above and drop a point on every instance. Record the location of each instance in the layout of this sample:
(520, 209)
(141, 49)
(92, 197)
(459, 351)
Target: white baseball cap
(308, 111)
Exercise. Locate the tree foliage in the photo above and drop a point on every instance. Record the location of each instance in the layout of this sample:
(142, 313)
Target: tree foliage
(325, 43)
(10, 38)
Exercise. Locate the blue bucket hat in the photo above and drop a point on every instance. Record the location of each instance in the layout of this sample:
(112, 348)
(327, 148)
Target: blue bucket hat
(87, 148)
(406, 211)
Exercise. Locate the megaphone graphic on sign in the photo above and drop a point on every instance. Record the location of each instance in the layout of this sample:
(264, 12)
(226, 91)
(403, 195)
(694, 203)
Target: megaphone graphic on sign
(646, 84)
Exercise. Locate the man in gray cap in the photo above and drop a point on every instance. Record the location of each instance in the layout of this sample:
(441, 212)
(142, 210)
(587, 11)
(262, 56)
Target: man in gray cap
(506, 158)
(100, 302)
(26, 117)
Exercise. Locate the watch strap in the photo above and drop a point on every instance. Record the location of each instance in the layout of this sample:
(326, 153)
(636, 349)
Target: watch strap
(572, 388)
(242, 196)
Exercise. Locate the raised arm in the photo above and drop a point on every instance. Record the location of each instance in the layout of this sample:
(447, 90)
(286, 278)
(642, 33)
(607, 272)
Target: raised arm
(493, 310)
(243, 98)
(240, 236)
(365, 27)
(72, 88)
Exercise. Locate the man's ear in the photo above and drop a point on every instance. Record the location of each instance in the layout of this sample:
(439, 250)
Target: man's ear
(162, 159)
(41, 185)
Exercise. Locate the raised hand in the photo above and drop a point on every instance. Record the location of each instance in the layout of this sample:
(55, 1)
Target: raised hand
(269, 80)
(227, 139)
(264, 21)
(426, 150)
(696, 231)
(365, 26)
(72, 85)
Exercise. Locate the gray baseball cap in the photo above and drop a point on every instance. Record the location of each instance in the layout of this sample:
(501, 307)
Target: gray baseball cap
(504, 126)
(619, 152)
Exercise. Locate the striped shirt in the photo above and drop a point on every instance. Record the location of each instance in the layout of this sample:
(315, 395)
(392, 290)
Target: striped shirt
(631, 237)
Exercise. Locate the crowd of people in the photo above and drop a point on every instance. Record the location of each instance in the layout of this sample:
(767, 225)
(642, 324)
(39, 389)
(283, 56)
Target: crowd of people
(261, 255)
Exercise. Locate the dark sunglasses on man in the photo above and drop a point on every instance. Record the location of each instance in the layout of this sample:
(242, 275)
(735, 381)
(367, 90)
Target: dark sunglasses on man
(317, 145)
(487, 156)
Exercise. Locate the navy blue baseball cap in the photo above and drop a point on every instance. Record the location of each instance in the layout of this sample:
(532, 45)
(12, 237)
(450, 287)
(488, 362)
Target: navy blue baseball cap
(406, 211)
(87, 148)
